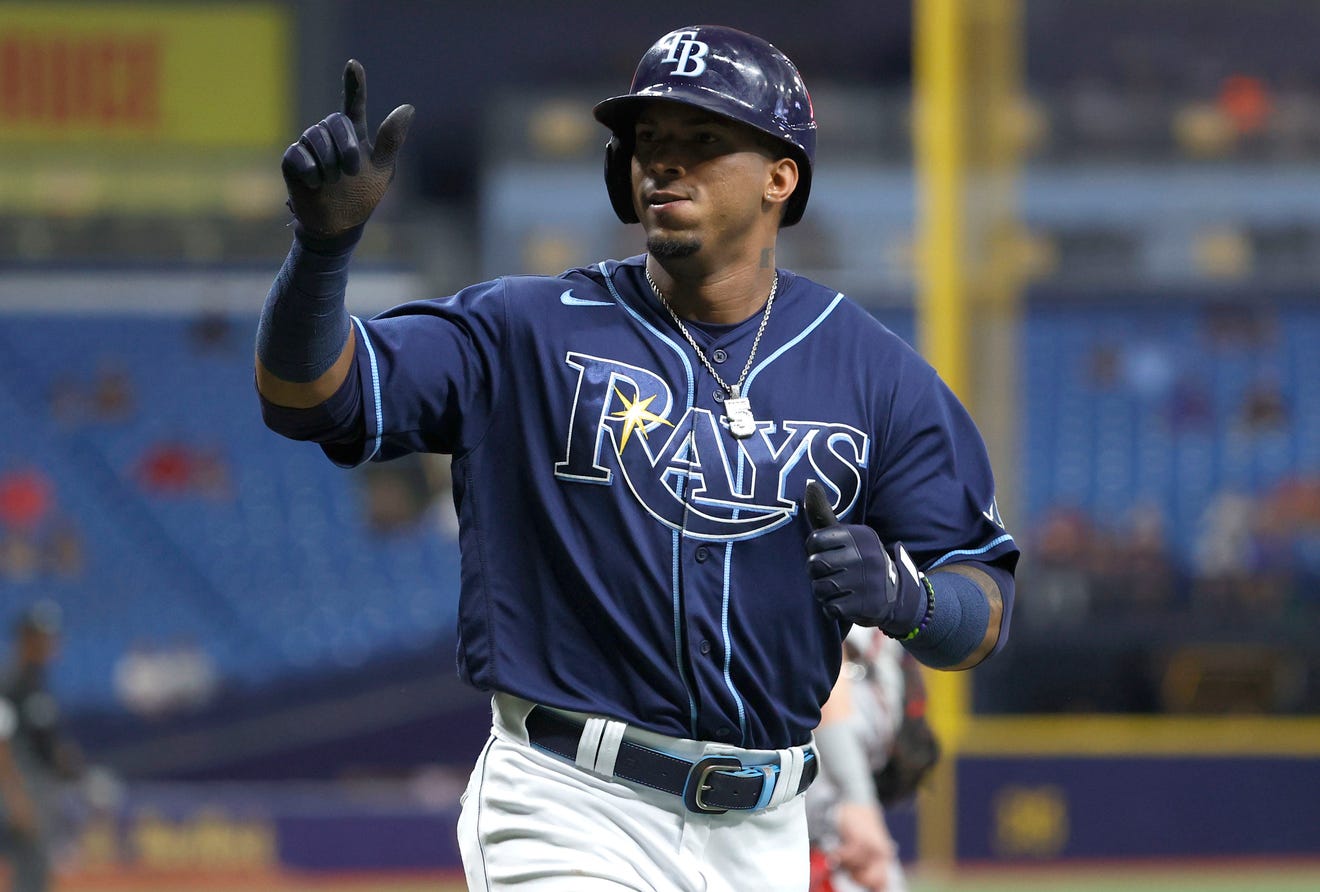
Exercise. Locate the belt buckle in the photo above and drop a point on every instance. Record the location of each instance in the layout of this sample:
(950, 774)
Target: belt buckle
(696, 785)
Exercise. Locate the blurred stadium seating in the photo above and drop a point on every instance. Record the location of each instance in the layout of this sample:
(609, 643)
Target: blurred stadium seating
(1141, 400)
(264, 555)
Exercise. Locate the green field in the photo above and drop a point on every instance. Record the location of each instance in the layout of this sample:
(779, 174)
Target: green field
(1236, 877)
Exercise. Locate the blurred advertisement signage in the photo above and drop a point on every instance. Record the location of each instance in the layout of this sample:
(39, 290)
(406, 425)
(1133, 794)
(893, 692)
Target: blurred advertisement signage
(138, 75)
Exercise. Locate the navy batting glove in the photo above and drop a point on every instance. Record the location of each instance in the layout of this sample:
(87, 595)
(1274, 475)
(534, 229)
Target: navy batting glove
(336, 174)
(854, 578)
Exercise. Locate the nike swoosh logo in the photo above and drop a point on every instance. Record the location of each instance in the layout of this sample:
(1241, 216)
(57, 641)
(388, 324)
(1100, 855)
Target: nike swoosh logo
(568, 300)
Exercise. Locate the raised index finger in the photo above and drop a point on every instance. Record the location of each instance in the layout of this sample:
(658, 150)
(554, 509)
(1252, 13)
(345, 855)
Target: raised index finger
(355, 98)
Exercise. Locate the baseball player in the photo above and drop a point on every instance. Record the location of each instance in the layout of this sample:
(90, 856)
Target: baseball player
(858, 728)
(680, 479)
(36, 757)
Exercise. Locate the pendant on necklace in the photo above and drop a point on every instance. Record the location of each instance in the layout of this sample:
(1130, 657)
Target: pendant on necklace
(738, 409)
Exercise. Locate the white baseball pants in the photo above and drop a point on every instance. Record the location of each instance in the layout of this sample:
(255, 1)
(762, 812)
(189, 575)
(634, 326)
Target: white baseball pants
(532, 821)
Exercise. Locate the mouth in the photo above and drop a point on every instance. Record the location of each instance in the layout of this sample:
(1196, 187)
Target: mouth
(662, 199)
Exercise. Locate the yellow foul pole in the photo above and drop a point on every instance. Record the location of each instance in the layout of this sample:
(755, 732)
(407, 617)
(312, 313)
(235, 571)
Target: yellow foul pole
(941, 178)
(966, 90)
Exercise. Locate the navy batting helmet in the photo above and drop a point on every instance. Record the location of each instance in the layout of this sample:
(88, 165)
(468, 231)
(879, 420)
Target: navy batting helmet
(728, 73)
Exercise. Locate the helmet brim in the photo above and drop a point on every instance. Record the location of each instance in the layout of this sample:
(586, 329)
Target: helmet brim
(619, 113)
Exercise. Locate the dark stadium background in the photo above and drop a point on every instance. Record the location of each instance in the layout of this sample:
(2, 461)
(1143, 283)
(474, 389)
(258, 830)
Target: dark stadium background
(258, 656)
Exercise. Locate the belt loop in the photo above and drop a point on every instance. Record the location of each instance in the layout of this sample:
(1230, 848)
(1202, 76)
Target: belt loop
(510, 714)
(610, 740)
(589, 744)
(791, 762)
(598, 746)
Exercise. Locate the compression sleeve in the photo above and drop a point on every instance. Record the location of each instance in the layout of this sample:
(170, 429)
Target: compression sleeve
(962, 616)
(304, 324)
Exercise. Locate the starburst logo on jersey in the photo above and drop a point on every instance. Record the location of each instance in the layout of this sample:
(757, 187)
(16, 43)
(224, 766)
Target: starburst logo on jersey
(635, 417)
(684, 468)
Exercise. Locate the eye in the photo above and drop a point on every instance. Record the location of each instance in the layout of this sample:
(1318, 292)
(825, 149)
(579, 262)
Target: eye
(645, 134)
(707, 137)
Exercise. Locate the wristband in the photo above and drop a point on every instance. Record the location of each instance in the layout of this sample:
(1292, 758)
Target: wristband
(957, 627)
(930, 609)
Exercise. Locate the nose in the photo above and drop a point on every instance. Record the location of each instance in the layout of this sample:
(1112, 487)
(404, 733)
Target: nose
(662, 156)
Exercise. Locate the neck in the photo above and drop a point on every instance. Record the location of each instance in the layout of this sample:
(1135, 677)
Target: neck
(724, 296)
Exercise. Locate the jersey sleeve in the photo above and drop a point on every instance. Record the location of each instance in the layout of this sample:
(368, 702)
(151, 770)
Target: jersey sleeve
(934, 489)
(429, 373)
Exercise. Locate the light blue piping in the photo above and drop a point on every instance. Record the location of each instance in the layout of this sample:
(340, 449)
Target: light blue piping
(375, 389)
(724, 618)
(968, 552)
(793, 343)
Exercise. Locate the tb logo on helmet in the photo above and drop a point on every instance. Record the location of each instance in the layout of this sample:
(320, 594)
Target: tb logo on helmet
(686, 53)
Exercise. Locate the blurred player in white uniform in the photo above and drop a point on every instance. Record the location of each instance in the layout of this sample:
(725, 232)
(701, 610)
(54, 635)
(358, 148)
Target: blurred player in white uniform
(857, 734)
(37, 758)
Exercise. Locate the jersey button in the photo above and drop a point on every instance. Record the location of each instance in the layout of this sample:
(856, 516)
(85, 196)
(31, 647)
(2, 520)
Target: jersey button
(719, 356)
(702, 553)
(718, 396)
(705, 648)
(721, 733)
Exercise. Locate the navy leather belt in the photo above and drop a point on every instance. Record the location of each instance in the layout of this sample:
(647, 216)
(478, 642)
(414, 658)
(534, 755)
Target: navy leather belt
(712, 785)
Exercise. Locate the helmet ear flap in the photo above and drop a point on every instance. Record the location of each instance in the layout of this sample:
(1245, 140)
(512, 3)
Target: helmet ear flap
(618, 177)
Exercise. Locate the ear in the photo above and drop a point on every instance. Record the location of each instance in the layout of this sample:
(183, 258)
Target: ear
(781, 180)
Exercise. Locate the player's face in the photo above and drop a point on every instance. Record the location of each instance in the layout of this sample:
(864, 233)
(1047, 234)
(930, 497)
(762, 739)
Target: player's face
(698, 179)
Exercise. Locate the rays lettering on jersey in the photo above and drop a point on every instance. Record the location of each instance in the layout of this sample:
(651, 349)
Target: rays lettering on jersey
(687, 472)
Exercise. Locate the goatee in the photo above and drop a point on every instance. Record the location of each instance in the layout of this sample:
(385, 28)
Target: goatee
(671, 248)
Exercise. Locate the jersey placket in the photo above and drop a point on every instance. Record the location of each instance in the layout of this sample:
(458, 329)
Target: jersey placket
(708, 568)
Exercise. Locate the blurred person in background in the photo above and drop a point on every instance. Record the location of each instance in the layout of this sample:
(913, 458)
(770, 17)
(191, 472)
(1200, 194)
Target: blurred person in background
(875, 748)
(27, 503)
(36, 758)
(1061, 569)
(154, 682)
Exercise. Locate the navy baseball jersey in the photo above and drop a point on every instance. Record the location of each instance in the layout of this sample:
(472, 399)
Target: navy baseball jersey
(608, 516)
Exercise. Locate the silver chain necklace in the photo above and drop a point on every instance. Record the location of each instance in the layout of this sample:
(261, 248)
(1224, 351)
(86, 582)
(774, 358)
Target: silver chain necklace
(737, 408)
